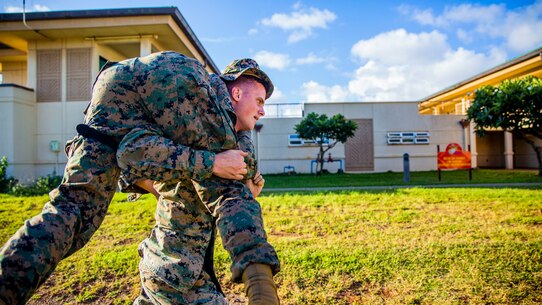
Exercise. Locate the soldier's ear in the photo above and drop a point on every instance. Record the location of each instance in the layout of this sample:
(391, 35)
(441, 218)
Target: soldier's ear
(236, 93)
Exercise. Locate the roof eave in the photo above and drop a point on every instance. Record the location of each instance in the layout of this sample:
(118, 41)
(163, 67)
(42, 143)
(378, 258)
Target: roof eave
(122, 12)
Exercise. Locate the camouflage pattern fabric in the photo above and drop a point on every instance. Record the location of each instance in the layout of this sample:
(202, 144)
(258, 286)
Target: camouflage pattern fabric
(174, 252)
(75, 211)
(164, 92)
(155, 292)
(248, 66)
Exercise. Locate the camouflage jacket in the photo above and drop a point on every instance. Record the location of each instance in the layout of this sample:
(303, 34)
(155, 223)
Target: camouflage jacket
(190, 122)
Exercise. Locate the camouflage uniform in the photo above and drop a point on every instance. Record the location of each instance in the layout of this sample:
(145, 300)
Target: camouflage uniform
(173, 256)
(166, 92)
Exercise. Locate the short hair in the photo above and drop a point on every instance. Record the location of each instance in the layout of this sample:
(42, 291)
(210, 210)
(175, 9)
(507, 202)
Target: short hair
(241, 80)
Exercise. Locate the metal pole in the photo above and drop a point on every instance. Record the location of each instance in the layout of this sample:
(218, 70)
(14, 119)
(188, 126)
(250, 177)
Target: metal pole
(470, 168)
(406, 168)
(438, 168)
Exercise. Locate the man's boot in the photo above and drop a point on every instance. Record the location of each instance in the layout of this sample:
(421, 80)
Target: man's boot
(259, 285)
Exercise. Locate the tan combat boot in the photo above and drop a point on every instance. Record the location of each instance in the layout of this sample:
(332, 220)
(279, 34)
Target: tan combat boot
(259, 285)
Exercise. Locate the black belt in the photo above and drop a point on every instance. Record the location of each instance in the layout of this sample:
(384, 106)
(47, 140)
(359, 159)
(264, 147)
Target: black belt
(91, 133)
(208, 261)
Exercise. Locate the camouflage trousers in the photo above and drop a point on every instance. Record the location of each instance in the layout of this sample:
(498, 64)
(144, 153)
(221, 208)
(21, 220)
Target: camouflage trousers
(155, 291)
(75, 211)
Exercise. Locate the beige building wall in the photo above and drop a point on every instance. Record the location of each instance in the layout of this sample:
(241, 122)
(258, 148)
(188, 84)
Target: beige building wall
(386, 117)
(58, 63)
(58, 116)
(65, 71)
(18, 114)
(14, 73)
(273, 150)
(524, 155)
(490, 150)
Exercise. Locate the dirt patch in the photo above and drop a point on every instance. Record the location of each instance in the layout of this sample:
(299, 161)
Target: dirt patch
(284, 234)
(353, 294)
(104, 291)
(109, 291)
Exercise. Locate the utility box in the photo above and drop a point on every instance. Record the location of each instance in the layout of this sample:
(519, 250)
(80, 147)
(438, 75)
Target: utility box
(54, 146)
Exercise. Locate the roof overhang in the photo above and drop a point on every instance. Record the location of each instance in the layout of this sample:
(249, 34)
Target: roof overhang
(121, 29)
(528, 64)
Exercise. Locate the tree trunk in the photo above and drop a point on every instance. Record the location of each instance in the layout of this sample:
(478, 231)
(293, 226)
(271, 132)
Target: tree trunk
(320, 161)
(538, 151)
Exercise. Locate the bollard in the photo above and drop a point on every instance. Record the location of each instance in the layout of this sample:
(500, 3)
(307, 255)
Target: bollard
(406, 168)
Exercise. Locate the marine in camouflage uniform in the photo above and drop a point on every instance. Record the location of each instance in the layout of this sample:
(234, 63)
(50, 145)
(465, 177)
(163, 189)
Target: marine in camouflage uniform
(173, 257)
(165, 91)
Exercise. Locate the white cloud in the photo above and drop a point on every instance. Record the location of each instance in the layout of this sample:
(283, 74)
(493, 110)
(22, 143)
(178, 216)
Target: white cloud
(403, 66)
(464, 13)
(519, 29)
(411, 66)
(19, 9)
(424, 17)
(522, 29)
(272, 60)
(253, 32)
(277, 97)
(312, 58)
(401, 47)
(279, 106)
(281, 61)
(222, 39)
(317, 93)
(464, 35)
(301, 22)
(13, 9)
(40, 8)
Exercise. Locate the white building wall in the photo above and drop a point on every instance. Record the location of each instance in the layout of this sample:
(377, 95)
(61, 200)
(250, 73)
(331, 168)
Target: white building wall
(56, 120)
(32, 126)
(29, 128)
(387, 117)
(273, 150)
(18, 124)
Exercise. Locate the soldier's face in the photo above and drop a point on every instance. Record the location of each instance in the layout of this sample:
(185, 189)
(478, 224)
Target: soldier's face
(248, 100)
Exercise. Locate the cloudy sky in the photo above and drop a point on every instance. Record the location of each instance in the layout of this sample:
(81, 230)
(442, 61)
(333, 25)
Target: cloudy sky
(350, 50)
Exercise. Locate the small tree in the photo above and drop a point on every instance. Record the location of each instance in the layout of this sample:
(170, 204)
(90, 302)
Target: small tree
(515, 106)
(319, 128)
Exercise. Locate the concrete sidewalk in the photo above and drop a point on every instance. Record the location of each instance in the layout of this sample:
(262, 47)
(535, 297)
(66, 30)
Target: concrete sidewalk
(385, 187)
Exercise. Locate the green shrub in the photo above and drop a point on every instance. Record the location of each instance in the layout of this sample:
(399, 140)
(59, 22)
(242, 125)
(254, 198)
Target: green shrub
(43, 185)
(5, 183)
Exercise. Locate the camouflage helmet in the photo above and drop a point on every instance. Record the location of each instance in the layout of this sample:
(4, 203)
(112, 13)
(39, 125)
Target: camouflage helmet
(250, 67)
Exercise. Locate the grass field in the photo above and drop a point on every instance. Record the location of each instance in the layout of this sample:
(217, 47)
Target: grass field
(479, 176)
(396, 246)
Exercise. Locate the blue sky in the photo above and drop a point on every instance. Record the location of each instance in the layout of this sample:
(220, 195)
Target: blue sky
(351, 50)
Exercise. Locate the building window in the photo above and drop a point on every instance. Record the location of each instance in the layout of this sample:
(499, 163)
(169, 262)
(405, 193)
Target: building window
(78, 78)
(408, 137)
(48, 75)
(295, 140)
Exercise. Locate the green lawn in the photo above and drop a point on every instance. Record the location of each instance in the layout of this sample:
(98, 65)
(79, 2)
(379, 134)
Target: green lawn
(397, 246)
(397, 178)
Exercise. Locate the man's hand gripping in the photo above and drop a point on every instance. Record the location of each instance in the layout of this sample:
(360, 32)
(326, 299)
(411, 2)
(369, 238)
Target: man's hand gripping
(230, 164)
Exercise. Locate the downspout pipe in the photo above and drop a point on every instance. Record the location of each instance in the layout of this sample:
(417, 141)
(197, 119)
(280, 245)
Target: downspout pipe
(27, 26)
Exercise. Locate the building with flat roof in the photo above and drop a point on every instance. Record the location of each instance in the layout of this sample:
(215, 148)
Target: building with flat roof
(49, 60)
(48, 63)
(498, 148)
(388, 130)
